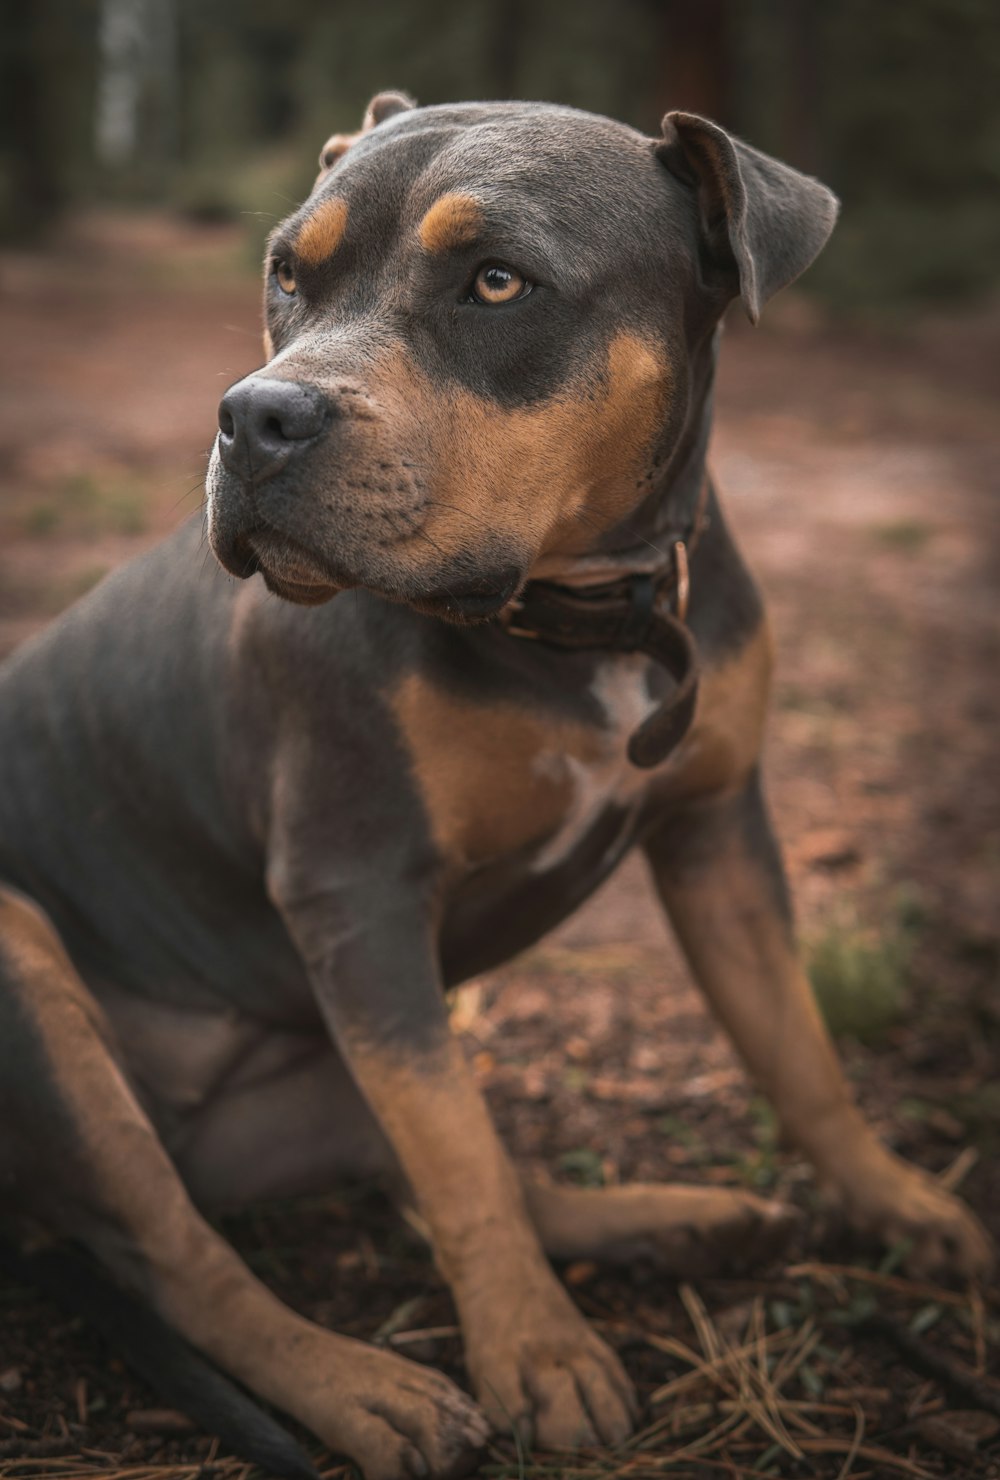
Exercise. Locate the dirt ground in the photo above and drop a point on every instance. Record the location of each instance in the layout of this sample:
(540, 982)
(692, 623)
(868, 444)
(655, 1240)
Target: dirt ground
(860, 472)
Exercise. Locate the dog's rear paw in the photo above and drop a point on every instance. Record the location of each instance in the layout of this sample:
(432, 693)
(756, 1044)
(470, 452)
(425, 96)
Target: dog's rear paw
(404, 1420)
(755, 1232)
(690, 1232)
(938, 1234)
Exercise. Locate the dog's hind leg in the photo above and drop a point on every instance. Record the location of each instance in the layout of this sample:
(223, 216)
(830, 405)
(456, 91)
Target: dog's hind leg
(78, 1152)
(689, 1232)
(719, 873)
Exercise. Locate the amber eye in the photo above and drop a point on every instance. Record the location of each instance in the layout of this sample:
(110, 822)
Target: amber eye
(285, 276)
(495, 283)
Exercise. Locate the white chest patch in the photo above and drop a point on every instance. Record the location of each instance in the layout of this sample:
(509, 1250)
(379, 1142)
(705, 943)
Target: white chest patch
(607, 777)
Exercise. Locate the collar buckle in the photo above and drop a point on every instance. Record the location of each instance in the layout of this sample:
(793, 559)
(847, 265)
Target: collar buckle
(682, 575)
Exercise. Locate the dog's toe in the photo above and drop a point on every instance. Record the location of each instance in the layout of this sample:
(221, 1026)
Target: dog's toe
(405, 1420)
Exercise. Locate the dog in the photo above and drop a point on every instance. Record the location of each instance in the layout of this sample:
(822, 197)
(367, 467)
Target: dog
(246, 843)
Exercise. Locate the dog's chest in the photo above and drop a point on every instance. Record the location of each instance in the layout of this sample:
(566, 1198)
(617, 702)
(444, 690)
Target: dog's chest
(520, 778)
(543, 833)
(596, 777)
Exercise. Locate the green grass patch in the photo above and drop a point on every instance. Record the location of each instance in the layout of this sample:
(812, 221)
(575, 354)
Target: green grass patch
(908, 536)
(861, 976)
(582, 1166)
(84, 504)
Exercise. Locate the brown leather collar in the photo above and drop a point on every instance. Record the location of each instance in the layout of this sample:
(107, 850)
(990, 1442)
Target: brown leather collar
(638, 613)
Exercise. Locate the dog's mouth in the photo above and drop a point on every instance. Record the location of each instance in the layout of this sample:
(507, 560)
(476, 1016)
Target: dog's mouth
(300, 575)
(468, 604)
(289, 570)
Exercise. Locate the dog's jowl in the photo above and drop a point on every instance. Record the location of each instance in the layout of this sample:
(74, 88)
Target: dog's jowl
(245, 842)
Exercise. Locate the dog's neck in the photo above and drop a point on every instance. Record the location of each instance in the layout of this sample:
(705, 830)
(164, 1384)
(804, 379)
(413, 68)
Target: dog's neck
(673, 510)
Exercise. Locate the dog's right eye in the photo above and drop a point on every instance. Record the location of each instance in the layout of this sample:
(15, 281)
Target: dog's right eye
(284, 276)
(496, 283)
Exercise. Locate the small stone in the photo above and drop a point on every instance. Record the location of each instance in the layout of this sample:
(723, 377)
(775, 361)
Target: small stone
(534, 1085)
(580, 1272)
(646, 1058)
(10, 1379)
(960, 1432)
(158, 1421)
(828, 848)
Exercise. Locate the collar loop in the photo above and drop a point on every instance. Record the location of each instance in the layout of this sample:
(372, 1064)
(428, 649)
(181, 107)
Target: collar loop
(629, 615)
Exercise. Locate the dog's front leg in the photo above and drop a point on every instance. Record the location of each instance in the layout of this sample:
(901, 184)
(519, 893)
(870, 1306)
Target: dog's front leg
(532, 1358)
(719, 873)
(77, 1150)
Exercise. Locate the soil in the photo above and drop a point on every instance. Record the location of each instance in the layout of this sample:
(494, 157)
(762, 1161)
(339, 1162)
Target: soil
(859, 469)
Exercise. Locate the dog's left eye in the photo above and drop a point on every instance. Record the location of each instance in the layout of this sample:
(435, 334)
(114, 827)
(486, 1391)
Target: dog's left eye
(284, 276)
(495, 283)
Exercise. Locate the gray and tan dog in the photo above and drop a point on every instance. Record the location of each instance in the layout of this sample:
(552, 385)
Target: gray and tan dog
(246, 843)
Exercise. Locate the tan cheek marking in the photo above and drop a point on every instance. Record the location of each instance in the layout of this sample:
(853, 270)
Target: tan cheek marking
(453, 221)
(725, 740)
(268, 345)
(612, 441)
(321, 234)
(543, 477)
(569, 466)
(477, 768)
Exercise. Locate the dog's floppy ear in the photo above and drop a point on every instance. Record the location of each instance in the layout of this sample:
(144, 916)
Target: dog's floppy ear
(758, 216)
(382, 106)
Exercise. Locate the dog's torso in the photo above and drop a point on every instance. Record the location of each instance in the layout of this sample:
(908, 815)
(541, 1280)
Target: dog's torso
(160, 799)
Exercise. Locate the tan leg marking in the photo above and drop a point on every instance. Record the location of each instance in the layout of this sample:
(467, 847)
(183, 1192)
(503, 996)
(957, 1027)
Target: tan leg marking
(725, 904)
(531, 1356)
(123, 1197)
(688, 1231)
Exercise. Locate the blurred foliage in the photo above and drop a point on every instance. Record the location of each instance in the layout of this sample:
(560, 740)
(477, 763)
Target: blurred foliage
(861, 977)
(894, 105)
(859, 981)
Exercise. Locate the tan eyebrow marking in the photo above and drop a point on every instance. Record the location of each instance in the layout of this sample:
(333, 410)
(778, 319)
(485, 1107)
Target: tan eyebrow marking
(321, 233)
(453, 220)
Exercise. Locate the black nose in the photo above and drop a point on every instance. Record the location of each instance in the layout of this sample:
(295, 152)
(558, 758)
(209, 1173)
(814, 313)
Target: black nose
(263, 422)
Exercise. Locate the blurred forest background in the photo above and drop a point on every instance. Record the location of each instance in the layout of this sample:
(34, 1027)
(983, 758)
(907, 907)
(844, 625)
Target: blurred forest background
(215, 105)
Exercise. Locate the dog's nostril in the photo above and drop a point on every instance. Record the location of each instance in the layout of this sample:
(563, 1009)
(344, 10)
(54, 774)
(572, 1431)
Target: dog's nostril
(263, 421)
(285, 411)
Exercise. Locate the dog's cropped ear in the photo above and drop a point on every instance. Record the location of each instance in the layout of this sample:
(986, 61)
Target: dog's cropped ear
(382, 106)
(759, 218)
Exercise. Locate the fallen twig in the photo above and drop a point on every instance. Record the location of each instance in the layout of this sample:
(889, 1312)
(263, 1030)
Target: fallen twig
(957, 1380)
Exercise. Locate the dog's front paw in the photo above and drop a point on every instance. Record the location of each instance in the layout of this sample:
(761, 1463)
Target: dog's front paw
(537, 1367)
(900, 1204)
(397, 1419)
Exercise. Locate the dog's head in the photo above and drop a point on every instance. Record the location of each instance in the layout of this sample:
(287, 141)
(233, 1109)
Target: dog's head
(479, 333)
